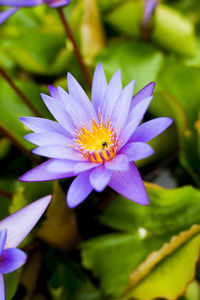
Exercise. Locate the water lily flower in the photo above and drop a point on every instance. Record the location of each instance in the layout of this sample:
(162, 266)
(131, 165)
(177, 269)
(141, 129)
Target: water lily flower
(17, 4)
(13, 230)
(97, 140)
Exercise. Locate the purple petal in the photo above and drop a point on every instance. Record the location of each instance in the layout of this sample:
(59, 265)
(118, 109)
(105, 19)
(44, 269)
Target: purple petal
(47, 171)
(136, 117)
(19, 3)
(118, 163)
(150, 6)
(59, 113)
(2, 288)
(100, 177)
(121, 110)
(42, 125)
(80, 96)
(3, 236)
(54, 92)
(58, 3)
(145, 92)
(59, 151)
(136, 151)
(129, 184)
(112, 93)
(20, 223)
(149, 130)
(76, 110)
(11, 260)
(79, 189)
(99, 85)
(84, 166)
(48, 139)
(4, 15)
(64, 165)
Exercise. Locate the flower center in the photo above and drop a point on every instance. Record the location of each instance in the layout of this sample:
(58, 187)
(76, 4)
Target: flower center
(99, 144)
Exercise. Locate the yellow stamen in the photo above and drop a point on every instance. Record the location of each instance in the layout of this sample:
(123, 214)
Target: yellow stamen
(99, 144)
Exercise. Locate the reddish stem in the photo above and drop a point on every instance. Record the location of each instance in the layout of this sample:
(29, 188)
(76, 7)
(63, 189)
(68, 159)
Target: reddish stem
(76, 50)
(5, 194)
(15, 142)
(19, 92)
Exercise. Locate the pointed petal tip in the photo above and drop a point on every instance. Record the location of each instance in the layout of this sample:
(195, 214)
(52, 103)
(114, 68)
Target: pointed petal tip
(141, 201)
(99, 65)
(20, 223)
(170, 121)
(22, 178)
(69, 76)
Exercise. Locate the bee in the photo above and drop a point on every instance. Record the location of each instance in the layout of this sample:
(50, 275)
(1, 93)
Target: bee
(104, 145)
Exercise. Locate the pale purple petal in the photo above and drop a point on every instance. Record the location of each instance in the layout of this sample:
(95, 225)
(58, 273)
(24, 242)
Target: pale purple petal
(4, 15)
(42, 125)
(64, 165)
(59, 113)
(100, 177)
(121, 110)
(119, 163)
(54, 92)
(80, 96)
(3, 235)
(99, 85)
(19, 3)
(58, 3)
(79, 189)
(59, 151)
(112, 93)
(136, 151)
(11, 259)
(20, 223)
(76, 110)
(48, 139)
(84, 166)
(137, 116)
(2, 288)
(47, 171)
(149, 130)
(145, 92)
(129, 184)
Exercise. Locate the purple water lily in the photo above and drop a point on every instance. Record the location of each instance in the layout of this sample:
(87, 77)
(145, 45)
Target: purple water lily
(17, 4)
(97, 140)
(13, 230)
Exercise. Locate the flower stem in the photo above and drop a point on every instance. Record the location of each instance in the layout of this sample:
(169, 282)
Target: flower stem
(19, 92)
(15, 142)
(5, 194)
(76, 50)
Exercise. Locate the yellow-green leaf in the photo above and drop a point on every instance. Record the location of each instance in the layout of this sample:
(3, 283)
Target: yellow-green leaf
(60, 228)
(166, 272)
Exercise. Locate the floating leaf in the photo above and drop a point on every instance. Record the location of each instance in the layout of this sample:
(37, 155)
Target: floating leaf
(30, 274)
(11, 283)
(13, 108)
(60, 228)
(127, 19)
(92, 36)
(167, 269)
(69, 282)
(177, 208)
(135, 59)
(111, 257)
(171, 80)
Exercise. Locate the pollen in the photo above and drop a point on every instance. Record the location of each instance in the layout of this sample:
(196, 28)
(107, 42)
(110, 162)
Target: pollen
(99, 144)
